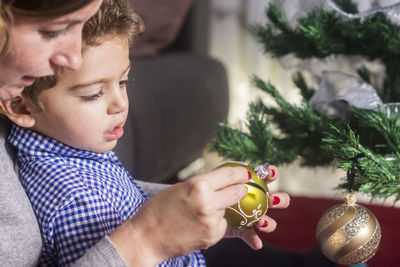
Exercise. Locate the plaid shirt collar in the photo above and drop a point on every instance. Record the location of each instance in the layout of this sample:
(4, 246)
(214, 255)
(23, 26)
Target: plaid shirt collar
(37, 145)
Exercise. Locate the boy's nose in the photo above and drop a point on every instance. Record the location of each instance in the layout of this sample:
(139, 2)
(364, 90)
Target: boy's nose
(119, 101)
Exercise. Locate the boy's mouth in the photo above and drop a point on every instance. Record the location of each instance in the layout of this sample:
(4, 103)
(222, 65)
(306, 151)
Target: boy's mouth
(115, 133)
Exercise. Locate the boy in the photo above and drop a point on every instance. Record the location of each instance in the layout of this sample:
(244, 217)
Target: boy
(79, 190)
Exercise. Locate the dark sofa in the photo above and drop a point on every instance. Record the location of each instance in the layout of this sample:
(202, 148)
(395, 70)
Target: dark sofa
(176, 100)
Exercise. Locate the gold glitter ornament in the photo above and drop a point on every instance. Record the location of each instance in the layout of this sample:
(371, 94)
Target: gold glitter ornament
(249, 210)
(348, 233)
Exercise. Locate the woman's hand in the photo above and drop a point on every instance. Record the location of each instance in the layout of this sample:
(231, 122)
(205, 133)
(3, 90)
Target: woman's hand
(182, 219)
(266, 224)
(187, 217)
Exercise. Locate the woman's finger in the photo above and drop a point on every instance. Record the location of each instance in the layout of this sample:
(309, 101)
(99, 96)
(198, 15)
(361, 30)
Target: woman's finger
(251, 238)
(279, 200)
(266, 224)
(226, 176)
(272, 173)
(230, 195)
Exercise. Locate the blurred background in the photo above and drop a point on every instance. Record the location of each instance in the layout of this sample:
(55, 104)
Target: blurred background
(232, 43)
(192, 68)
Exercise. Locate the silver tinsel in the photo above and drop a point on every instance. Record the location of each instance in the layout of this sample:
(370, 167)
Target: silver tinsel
(392, 12)
(337, 90)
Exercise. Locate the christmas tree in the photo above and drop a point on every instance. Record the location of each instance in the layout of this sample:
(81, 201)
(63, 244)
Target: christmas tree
(344, 121)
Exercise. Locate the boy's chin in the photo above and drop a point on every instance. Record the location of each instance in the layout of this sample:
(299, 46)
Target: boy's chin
(108, 146)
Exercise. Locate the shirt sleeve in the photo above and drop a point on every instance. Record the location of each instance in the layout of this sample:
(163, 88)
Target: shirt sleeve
(103, 253)
(79, 225)
(152, 189)
(79, 228)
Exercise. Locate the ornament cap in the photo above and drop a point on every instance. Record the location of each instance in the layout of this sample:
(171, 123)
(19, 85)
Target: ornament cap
(262, 171)
(350, 199)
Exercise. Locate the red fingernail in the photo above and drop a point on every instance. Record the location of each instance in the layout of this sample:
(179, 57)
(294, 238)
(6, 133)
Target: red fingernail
(249, 174)
(265, 223)
(276, 201)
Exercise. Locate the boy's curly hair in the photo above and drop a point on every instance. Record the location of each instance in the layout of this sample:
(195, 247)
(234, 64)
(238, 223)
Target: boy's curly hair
(115, 17)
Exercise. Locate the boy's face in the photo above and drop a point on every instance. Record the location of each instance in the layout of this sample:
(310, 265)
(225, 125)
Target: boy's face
(88, 107)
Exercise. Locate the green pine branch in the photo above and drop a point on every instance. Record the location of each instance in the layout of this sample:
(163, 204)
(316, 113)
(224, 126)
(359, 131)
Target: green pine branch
(286, 132)
(323, 33)
(301, 131)
(305, 91)
(376, 174)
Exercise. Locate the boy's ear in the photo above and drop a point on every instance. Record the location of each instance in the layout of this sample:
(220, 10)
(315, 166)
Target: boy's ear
(18, 112)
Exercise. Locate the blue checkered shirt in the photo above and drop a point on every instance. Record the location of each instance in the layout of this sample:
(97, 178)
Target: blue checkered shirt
(78, 196)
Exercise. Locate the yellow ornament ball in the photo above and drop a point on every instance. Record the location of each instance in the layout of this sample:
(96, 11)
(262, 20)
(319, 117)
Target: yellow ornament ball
(249, 210)
(348, 233)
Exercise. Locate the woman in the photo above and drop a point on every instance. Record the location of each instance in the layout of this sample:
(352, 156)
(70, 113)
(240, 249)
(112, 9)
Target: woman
(37, 36)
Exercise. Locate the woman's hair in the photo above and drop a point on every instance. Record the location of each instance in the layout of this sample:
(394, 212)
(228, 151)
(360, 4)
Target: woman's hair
(5, 18)
(44, 8)
(33, 8)
(114, 18)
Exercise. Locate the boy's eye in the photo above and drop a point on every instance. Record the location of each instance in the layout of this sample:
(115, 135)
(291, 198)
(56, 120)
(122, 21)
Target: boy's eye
(54, 34)
(90, 98)
(123, 83)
